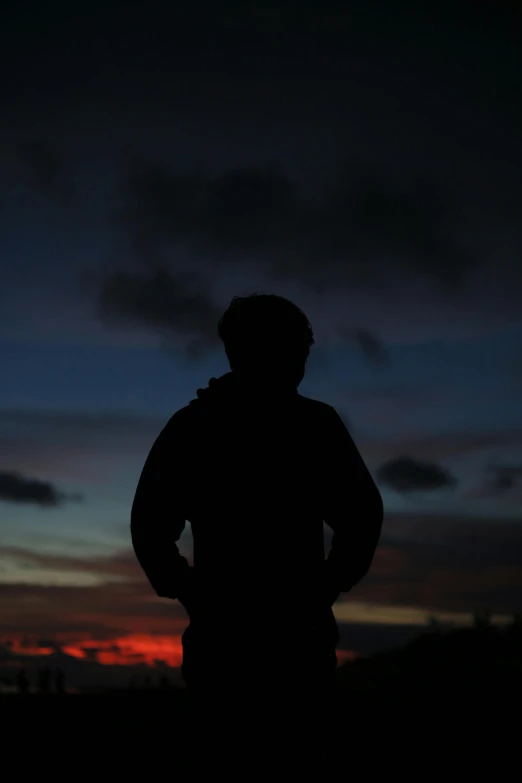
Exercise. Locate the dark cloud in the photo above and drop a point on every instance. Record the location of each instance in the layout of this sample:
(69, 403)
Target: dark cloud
(44, 643)
(164, 302)
(15, 488)
(447, 563)
(348, 78)
(369, 343)
(239, 213)
(501, 479)
(456, 542)
(183, 227)
(405, 474)
(43, 166)
(72, 614)
(91, 653)
(61, 442)
(360, 232)
(410, 228)
(372, 347)
(368, 638)
(440, 445)
(173, 306)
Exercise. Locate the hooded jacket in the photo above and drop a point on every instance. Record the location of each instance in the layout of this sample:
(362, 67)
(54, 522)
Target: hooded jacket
(256, 470)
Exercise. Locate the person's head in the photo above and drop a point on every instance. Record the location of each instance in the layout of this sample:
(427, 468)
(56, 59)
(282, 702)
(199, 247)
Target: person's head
(266, 337)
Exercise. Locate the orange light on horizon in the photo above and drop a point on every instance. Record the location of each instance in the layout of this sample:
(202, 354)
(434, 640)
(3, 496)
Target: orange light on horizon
(128, 650)
(343, 656)
(20, 647)
(121, 651)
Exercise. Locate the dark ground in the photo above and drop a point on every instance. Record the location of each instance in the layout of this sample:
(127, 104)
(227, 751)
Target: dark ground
(448, 702)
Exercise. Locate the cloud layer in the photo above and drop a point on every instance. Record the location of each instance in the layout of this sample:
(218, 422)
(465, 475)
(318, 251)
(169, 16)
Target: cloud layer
(15, 488)
(185, 226)
(354, 231)
(425, 567)
(405, 474)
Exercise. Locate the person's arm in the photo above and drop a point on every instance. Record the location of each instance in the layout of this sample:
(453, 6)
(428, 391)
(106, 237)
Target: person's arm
(158, 517)
(353, 509)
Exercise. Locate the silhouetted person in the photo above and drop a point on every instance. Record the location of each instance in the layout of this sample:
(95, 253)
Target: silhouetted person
(164, 682)
(59, 681)
(256, 468)
(44, 680)
(22, 683)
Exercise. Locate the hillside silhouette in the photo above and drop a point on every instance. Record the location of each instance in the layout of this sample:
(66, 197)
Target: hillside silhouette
(484, 660)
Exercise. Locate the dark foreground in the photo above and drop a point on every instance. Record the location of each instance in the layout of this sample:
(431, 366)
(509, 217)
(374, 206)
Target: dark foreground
(400, 729)
(446, 705)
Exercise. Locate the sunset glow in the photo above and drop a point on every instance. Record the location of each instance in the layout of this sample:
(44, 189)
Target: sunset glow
(132, 649)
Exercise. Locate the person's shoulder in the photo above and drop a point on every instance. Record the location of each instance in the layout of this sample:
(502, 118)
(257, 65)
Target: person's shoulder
(182, 417)
(190, 418)
(321, 411)
(179, 422)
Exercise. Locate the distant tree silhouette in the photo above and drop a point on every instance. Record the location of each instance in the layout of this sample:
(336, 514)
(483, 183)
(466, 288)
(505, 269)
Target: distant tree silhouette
(22, 683)
(59, 681)
(44, 680)
(164, 682)
(516, 623)
(514, 634)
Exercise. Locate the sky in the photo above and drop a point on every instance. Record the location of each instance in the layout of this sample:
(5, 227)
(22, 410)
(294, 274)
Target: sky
(362, 159)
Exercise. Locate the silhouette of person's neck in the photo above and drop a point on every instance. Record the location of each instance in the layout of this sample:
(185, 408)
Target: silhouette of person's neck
(264, 383)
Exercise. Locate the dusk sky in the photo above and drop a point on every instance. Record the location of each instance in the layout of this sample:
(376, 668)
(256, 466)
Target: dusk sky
(362, 159)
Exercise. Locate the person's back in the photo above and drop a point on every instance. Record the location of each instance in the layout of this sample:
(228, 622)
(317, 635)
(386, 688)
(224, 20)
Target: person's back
(256, 468)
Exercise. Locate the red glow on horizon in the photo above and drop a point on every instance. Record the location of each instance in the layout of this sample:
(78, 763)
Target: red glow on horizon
(130, 650)
(343, 656)
(19, 646)
(120, 651)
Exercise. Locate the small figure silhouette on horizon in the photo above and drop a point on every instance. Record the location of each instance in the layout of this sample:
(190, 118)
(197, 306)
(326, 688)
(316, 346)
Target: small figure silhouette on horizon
(256, 469)
(44, 680)
(59, 681)
(22, 683)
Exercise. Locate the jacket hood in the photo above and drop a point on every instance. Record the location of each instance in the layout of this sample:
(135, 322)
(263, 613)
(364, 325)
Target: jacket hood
(231, 387)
